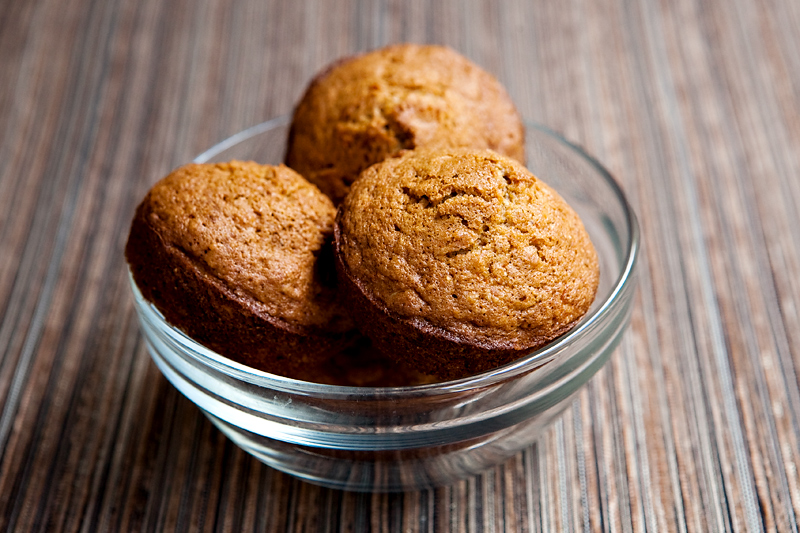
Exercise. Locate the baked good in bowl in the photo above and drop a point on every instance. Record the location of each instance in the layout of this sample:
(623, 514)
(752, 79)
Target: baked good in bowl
(458, 261)
(237, 255)
(365, 108)
(292, 425)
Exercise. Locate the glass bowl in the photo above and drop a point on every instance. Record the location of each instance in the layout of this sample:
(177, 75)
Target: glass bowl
(403, 438)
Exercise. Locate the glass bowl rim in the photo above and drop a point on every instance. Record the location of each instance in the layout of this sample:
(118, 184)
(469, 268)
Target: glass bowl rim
(208, 357)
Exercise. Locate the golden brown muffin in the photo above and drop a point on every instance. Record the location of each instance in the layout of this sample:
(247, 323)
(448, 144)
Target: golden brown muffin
(457, 261)
(237, 255)
(366, 108)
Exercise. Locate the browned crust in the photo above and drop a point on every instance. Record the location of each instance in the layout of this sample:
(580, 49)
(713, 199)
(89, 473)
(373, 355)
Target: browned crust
(207, 310)
(415, 341)
(288, 155)
(371, 145)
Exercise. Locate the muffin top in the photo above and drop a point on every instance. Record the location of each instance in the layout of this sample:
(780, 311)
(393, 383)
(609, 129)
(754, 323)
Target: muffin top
(471, 242)
(363, 109)
(256, 228)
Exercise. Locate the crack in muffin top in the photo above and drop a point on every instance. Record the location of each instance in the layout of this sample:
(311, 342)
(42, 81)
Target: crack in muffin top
(469, 241)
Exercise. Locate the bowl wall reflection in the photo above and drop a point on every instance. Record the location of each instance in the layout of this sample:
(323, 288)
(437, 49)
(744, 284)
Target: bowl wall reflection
(401, 438)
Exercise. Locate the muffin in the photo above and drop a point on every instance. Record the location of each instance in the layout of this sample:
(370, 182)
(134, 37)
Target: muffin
(238, 256)
(457, 261)
(363, 109)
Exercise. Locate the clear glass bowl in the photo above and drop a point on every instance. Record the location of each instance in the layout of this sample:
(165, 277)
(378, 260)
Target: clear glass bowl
(401, 438)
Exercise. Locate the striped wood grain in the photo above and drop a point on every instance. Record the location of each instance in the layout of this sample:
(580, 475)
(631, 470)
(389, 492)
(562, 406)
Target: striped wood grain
(694, 425)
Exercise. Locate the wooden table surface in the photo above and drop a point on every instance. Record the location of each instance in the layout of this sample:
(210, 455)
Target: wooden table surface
(693, 105)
